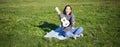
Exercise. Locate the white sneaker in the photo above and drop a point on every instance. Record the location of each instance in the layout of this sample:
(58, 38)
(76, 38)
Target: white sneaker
(81, 35)
(74, 37)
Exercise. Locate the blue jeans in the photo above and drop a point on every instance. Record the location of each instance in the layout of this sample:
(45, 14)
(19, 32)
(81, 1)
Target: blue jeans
(72, 33)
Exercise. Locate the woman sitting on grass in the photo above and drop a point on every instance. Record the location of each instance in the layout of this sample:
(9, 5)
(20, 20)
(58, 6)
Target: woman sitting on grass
(68, 31)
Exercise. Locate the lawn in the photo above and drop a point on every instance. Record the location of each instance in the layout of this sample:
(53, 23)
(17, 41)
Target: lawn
(20, 23)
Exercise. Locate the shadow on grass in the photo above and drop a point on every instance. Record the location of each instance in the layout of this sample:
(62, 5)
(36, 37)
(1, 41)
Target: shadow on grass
(47, 26)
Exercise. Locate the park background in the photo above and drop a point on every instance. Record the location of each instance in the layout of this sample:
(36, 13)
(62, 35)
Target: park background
(23, 23)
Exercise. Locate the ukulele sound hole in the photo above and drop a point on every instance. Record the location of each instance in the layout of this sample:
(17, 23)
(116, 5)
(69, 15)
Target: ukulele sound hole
(63, 19)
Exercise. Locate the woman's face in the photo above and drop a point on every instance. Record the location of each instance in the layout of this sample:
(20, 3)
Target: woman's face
(68, 10)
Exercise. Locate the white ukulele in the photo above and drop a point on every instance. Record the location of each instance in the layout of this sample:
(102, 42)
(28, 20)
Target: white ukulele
(65, 22)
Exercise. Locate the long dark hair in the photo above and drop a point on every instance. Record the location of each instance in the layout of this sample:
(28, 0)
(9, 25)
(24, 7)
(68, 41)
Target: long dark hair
(64, 12)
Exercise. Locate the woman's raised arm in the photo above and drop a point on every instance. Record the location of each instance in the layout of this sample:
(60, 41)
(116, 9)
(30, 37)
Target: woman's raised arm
(58, 11)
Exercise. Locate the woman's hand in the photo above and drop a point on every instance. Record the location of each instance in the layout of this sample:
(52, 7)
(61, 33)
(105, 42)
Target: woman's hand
(73, 23)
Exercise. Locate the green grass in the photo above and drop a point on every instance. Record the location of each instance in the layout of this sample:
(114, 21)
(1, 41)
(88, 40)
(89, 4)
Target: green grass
(20, 23)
